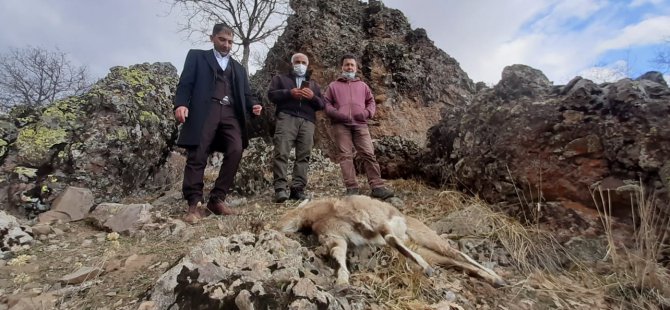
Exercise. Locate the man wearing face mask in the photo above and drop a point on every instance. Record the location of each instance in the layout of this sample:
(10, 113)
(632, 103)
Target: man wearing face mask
(349, 104)
(297, 98)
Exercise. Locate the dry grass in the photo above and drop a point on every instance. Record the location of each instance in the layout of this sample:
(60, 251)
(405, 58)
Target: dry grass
(396, 283)
(638, 279)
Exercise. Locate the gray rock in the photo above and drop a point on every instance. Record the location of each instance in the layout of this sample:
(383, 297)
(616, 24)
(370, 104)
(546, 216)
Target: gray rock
(81, 275)
(525, 137)
(13, 236)
(75, 202)
(123, 219)
(261, 271)
(109, 139)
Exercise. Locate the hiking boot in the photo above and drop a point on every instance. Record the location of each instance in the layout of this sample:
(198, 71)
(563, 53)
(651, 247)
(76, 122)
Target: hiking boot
(281, 196)
(220, 207)
(382, 193)
(195, 213)
(298, 194)
(352, 191)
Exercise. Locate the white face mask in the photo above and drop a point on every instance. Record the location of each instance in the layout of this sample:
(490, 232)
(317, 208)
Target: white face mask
(300, 69)
(349, 75)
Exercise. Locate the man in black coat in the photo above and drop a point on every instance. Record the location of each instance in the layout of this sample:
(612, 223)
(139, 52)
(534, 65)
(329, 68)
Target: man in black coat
(212, 100)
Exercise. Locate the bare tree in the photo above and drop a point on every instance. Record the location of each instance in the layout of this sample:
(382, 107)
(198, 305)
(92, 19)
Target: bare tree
(34, 76)
(254, 21)
(663, 57)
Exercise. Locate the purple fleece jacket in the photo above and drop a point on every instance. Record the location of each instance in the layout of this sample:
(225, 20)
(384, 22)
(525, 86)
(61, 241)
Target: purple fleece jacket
(349, 102)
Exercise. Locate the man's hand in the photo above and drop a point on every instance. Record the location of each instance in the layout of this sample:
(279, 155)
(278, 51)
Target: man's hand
(181, 113)
(361, 117)
(256, 109)
(307, 93)
(296, 93)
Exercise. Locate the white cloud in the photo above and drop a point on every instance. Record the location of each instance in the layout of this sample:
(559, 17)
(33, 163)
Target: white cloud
(638, 3)
(648, 31)
(473, 32)
(609, 73)
(559, 37)
(565, 11)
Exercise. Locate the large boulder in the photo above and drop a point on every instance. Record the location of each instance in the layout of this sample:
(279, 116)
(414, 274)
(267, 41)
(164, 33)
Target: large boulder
(412, 80)
(527, 140)
(247, 271)
(110, 139)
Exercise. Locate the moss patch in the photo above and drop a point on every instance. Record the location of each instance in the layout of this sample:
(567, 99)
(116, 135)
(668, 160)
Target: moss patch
(34, 143)
(26, 172)
(3, 148)
(66, 113)
(149, 117)
(139, 80)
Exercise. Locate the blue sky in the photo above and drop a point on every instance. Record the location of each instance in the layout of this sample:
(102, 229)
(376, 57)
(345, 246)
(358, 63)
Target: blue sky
(598, 39)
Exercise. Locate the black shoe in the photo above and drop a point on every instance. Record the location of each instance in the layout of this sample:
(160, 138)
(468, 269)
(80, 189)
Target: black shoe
(297, 194)
(352, 191)
(281, 196)
(382, 193)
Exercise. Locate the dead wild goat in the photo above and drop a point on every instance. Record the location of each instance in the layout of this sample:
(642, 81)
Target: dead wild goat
(360, 220)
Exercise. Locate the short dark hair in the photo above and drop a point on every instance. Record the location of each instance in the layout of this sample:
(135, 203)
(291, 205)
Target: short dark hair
(348, 56)
(222, 27)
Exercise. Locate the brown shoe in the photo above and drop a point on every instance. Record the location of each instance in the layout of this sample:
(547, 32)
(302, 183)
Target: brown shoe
(195, 213)
(220, 207)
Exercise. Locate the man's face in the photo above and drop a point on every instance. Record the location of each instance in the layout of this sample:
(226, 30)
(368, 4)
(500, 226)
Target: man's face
(223, 42)
(349, 65)
(300, 60)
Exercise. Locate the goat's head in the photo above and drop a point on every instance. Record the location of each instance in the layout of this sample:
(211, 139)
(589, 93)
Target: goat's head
(292, 221)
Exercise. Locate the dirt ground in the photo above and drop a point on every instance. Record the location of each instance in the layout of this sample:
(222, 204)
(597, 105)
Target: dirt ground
(132, 264)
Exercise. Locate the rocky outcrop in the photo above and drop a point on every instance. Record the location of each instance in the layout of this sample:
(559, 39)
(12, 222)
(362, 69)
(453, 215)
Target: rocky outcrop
(412, 80)
(526, 139)
(13, 236)
(397, 157)
(110, 139)
(247, 271)
(254, 175)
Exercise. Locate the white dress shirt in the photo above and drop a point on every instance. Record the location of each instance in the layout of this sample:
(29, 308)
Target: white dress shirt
(222, 60)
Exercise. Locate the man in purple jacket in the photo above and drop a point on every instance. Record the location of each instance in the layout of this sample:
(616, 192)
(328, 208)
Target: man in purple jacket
(349, 104)
(297, 99)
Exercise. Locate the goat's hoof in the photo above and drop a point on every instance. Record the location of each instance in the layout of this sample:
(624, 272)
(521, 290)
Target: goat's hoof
(429, 271)
(341, 287)
(499, 283)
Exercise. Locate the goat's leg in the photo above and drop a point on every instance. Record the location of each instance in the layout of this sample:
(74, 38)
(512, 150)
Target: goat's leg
(397, 243)
(465, 265)
(337, 247)
(440, 252)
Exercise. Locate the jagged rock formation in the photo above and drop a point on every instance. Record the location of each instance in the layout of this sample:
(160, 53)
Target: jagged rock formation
(410, 77)
(110, 139)
(525, 135)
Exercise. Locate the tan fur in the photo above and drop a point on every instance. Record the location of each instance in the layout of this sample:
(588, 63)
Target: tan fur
(360, 220)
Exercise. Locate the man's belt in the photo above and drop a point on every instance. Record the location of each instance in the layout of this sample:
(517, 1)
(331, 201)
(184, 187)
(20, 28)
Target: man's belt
(224, 101)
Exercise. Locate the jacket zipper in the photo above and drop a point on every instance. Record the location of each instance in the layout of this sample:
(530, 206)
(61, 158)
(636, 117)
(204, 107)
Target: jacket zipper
(351, 102)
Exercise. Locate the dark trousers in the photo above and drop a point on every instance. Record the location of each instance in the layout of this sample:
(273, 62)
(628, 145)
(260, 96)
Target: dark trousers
(292, 131)
(223, 127)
